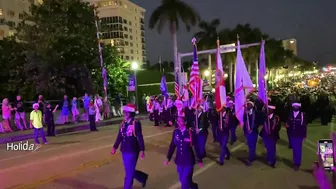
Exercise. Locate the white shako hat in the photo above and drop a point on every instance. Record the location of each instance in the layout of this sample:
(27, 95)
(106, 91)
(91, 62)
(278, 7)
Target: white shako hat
(296, 104)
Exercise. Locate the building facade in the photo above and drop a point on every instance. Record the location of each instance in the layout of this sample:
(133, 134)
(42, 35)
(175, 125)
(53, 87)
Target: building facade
(125, 28)
(290, 44)
(12, 13)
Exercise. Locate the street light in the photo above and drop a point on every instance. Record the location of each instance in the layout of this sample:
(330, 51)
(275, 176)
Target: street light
(134, 67)
(226, 75)
(206, 73)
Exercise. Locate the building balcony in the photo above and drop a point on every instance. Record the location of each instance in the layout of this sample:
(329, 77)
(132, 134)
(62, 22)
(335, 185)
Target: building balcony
(142, 34)
(142, 21)
(143, 40)
(143, 47)
(142, 27)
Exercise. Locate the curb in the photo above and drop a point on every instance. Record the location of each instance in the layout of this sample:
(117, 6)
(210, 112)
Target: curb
(80, 127)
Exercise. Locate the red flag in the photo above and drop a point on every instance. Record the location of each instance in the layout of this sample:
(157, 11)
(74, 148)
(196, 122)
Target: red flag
(220, 90)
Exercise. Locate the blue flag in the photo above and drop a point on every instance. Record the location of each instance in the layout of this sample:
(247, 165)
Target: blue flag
(163, 86)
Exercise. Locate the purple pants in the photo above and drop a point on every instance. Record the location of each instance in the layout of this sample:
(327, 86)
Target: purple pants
(40, 132)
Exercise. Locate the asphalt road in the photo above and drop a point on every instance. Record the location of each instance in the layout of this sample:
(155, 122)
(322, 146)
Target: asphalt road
(82, 160)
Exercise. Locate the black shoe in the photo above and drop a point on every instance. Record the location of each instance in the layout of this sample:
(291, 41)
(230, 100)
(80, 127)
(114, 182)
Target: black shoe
(249, 163)
(227, 157)
(296, 168)
(145, 181)
(271, 164)
(221, 163)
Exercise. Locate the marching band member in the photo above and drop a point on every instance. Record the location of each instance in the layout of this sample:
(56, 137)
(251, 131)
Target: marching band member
(297, 128)
(179, 111)
(183, 140)
(168, 110)
(223, 133)
(202, 129)
(157, 107)
(213, 119)
(190, 113)
(150, 108)
(273, 124)
(251, 123)
(162, 105)
(233, 123)
(132, 143)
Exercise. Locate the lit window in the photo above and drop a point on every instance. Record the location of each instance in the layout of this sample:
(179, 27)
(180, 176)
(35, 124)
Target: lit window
(11, 13)
(10, 33)
(40, 1)
(0, 12)
(292, 41)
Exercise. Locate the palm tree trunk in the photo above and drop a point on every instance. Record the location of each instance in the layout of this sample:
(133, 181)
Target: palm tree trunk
(177, 62)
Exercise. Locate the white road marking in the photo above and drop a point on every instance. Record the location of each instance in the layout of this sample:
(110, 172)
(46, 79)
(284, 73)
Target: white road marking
(72, 154)
(55, 148)
(206, 167)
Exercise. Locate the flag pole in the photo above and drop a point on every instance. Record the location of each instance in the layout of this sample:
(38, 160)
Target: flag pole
(221, 110)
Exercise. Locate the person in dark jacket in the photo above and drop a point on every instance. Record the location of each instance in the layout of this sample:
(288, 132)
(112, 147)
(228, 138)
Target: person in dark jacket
(202, 130)
(233, 122)
(213, 118)
(92, 117)
(132, 144)
(223, 135)
(184, 139)
(49, 119)
(251, 124)
(297, 130)
(270, 134)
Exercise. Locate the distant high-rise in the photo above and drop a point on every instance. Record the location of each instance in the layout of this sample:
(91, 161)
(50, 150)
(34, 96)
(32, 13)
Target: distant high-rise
(11, 13)
(126, 27)
(290, 44)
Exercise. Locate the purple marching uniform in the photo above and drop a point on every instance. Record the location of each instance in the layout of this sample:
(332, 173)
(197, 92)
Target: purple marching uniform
(157, 116)
(213, 118)
(132, 142)
(168, 106)
(297, 130)
(251, 120)
(270, 139)
(185, 159)
(233, 122)
(202, 136)
(224, 133)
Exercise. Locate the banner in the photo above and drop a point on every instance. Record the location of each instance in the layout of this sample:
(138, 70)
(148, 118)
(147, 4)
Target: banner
(131, 82)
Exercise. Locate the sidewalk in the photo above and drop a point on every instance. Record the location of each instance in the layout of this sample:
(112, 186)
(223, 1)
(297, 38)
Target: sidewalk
(61, 129)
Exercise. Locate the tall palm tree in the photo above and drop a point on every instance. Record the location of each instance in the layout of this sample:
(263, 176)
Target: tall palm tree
(172, 12)
(206, 38)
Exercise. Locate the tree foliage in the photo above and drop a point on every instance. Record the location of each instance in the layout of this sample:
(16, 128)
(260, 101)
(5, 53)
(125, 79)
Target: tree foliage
(57, 53)
(173, 12)
(61, 46)
(117, 76)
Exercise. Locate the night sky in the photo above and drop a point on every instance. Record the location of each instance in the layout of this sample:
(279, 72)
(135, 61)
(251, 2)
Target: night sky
(311, 22)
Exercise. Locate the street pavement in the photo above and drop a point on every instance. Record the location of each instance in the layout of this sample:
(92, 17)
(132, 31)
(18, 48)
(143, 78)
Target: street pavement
(82, 160)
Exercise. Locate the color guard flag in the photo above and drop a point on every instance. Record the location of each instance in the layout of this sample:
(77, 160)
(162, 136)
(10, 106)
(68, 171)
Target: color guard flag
(243, 82)
(262, 87)
(163, 86)
(185, 92)
(220, 91)
(195, 83)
